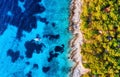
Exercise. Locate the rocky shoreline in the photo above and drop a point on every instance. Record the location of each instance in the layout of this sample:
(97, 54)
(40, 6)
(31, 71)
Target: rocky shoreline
(77, 41)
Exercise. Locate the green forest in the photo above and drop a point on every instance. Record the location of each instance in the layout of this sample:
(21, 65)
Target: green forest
(100, 27)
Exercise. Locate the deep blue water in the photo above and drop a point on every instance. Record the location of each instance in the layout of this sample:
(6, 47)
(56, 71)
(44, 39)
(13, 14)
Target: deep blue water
(21, 21)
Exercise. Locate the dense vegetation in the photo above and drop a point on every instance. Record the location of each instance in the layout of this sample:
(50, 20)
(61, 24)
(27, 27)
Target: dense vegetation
(101, 30)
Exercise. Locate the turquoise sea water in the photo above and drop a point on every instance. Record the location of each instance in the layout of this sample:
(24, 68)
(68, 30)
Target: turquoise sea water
(23, 21)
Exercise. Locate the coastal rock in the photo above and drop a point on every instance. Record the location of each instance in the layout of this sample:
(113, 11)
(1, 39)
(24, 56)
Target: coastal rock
(77, 41)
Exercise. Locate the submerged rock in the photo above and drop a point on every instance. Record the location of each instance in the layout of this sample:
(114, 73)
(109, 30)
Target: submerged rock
(45, 69)
(51, 37)
(14, 55)
(52, 55)
(33, 47)
(29, 74)
(35, 66)
(59, 48)
(44, 20)
(53, 24)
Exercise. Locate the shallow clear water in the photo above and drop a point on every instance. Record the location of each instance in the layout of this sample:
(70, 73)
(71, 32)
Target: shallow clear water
(24, 21)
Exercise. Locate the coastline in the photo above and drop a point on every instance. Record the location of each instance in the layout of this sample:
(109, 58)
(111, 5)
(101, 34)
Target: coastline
(77, 41)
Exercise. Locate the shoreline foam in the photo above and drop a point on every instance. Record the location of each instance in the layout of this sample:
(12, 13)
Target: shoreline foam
(77, 41)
